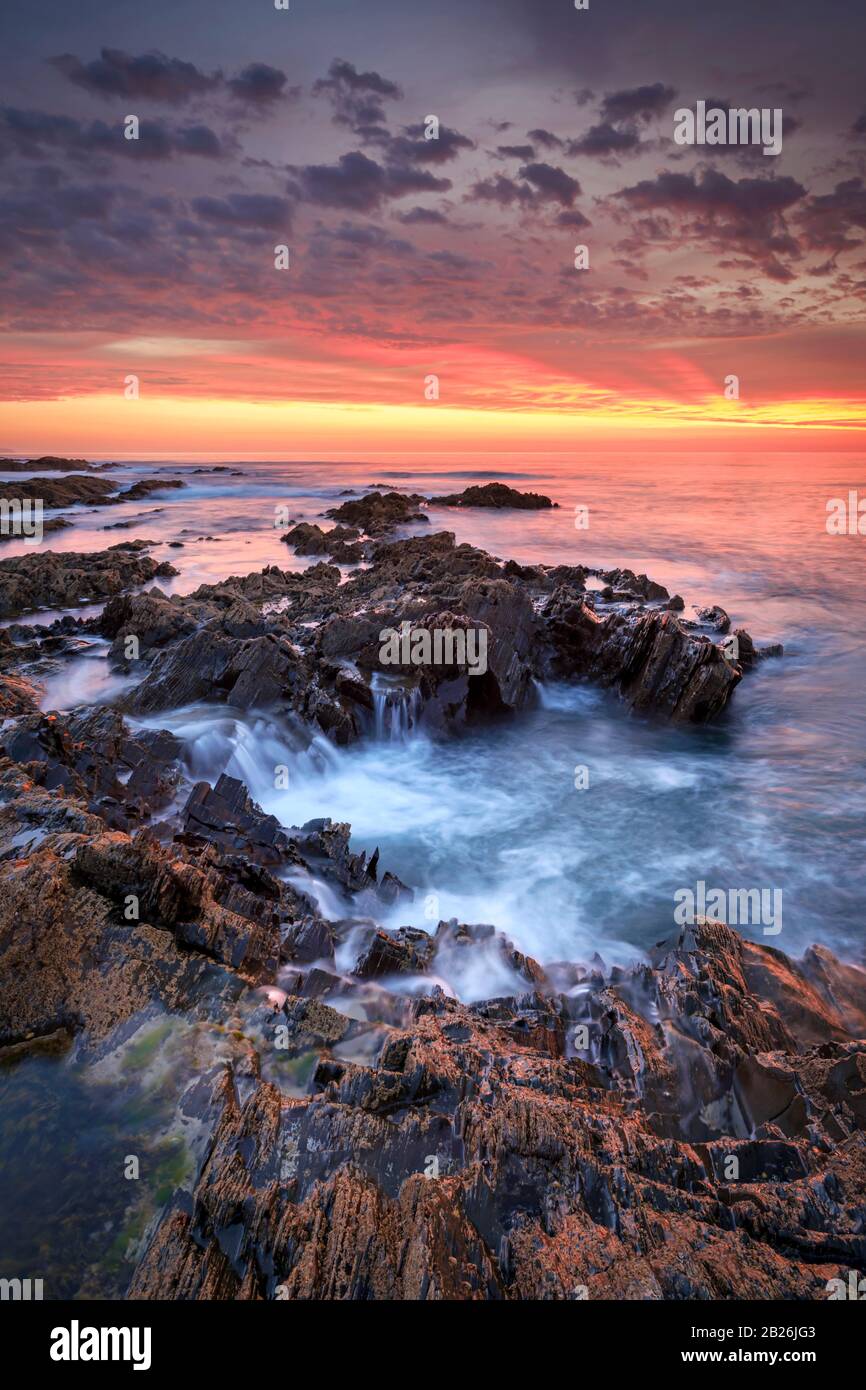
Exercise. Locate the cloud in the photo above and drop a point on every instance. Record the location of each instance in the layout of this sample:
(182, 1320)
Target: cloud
(155, 77)
(713, 193)
(413, 148)
(420, 216)
(151, 75)
(523, 152)
(33, 133)
(744, 215)
(259, 210)
(545, 138)
(551, 183)
(572, 218)
(540, 183)
(604, 140)
(259, 84)
(357, 97)
(828, 218)
(636, 103)
(360, 183)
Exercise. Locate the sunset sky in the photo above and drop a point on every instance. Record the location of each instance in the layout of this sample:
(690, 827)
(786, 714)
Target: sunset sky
(412, 257)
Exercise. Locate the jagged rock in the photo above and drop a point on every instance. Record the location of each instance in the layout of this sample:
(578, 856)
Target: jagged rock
(46, 579)
(648, 656)
(340, 543)
(630, 584)
(493, 495)
(407, 951)
(378, 512)
(714, 617)
(475, 1156)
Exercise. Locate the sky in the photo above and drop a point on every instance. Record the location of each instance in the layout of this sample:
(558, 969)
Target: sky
(413, 258)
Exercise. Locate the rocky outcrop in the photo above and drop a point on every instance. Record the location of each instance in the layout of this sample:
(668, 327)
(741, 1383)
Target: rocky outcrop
(77, 489)
(661, 1133)
(45, 579)
(341, 543)
(378, 512)
(46, 461)
(646, 654)
(493, 495)
(313, 645)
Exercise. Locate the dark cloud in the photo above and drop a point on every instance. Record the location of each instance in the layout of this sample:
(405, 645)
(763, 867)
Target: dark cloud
(828, 219)
(572, 218)
(154, 77)
(516, 151)
(360, 183)
(636, 103)
(420, 216)
(33, 133)
(551, 183)
(357, 97)
(249, 210)
(745, 215)
(545, 138)
(413, 148)
(859, 126)
(713, 193)
(151, 75)
(604, 141)
(540, 183)
(258, 84)
(502, 190)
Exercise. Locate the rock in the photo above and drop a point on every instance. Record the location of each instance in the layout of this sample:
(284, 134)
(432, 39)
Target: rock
(405, 951)
(493, 495)
(77, 489)
(653, 661)
(631, 585)
(341, 542)
(45, 579)
(377, 512)
(715, 618)
(47, 461)
(475, 1156)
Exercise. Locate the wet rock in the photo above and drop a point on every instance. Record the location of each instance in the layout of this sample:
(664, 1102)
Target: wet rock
(46, 461)
(228, 816)
(340, 543)
(654, 662)
(407, 951)
(493, 495)
(378, 512)
(473, 1156)
(71, 491)
(715, 618)
(46, 579)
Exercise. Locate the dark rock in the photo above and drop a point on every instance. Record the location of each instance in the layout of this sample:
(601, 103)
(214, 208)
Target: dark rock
(493, 495)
